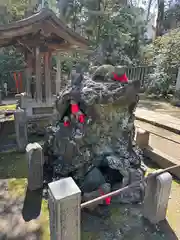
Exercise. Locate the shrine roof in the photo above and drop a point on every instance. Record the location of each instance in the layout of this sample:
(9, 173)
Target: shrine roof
(43, 26)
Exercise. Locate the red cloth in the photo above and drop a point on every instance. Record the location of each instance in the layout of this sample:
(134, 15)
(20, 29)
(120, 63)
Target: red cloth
(74, 108)
(81, 118)
(66, 123)
(108, 199)
(122, 78)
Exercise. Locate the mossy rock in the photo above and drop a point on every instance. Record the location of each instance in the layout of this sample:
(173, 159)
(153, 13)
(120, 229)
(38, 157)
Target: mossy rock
(105, 72)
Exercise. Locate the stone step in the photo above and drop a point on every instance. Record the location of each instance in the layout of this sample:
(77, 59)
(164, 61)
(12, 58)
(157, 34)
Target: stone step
(161, 120)
(165, 141)
(162, 159)
(157, 131)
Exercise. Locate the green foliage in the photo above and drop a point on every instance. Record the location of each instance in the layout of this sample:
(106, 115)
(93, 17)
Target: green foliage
(68, 61)
(18, 8)
(164, 53)
(117, 31)
(10, 60)
(172, 17)
(114, 29)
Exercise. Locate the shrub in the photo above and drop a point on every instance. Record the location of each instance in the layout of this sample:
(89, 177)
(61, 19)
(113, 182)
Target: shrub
(164, 53)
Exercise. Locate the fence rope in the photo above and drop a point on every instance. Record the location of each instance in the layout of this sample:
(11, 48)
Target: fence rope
(116, 192)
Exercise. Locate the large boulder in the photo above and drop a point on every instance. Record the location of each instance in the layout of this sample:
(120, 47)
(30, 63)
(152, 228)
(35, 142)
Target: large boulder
(100, 148)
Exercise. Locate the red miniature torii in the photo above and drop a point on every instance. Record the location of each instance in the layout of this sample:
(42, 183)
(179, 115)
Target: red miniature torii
(18, 81)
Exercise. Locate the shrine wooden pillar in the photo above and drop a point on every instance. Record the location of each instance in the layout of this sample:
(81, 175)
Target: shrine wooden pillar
(58, 73)
(29, 67)
(38, 76)
(47, 73)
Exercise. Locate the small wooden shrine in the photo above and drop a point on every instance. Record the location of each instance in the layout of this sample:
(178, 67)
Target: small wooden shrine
(39, 37)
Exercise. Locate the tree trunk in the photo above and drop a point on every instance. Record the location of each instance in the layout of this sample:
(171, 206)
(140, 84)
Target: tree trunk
(148, 11)
(160, 18)
(98, 24)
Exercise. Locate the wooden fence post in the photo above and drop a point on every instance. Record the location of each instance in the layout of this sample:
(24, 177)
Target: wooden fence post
(64, 210)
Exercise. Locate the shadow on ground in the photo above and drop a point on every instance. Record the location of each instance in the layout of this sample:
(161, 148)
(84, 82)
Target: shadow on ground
(7, 135)
(32, 205)
(124, 222)
(12, 225)
(13, 165)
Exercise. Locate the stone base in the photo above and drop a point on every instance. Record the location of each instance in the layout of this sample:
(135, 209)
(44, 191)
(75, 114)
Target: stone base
(142, 138)
(35, 108)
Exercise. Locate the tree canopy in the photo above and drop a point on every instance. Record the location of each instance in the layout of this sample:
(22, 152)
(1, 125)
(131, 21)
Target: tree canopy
(114, 29)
